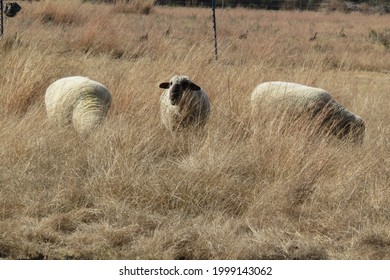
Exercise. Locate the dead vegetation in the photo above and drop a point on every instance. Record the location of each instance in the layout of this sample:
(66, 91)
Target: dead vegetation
(134, 191)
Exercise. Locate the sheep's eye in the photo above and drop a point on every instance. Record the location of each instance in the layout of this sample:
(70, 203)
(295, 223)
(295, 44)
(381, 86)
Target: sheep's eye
(170, 84)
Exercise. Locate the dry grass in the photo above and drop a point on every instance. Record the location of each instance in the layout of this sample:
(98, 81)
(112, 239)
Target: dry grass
(143, 7)
(133, 191)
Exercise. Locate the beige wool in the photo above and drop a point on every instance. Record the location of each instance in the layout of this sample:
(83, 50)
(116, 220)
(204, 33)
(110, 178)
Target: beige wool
(77, 101)
(192, 110)
(293, 100)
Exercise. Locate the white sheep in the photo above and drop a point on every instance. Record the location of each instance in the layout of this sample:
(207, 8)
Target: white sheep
(291, 101)
(77, 101)
(183, 104)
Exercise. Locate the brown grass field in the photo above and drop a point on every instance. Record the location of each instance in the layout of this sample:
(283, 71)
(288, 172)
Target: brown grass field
(131, 190)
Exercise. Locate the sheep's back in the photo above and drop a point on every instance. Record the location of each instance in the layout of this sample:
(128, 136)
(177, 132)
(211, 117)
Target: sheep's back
(290, 102)
(288, 94)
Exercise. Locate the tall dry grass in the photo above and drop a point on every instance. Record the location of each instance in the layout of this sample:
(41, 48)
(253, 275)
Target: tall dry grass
(134, 191)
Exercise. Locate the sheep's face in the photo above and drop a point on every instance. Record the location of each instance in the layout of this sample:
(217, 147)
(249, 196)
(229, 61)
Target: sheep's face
(177, 86)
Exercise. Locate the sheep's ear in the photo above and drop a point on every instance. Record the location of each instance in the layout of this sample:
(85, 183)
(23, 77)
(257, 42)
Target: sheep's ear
(164, 85)
(194, 86)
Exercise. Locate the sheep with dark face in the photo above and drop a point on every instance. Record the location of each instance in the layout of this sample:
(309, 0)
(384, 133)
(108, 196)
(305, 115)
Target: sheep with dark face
(183, 104)
(290, 101)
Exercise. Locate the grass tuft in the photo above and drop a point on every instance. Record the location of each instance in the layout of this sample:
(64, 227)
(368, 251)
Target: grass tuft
(143, 7)
(60, 12)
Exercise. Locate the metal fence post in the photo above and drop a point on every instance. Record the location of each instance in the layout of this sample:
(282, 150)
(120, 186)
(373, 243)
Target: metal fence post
(215, 31)
(1, 18)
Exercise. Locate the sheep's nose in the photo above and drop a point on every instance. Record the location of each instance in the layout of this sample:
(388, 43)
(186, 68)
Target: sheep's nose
(174, 97)
(176, 89)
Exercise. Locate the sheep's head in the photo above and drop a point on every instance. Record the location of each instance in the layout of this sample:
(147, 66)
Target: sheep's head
(177, 86)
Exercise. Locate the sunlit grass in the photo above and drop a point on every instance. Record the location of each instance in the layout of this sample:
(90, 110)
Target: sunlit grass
(134, 191)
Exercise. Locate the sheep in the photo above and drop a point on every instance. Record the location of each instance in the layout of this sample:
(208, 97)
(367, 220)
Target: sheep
(77, 101)
(291, 100)
(183, 104)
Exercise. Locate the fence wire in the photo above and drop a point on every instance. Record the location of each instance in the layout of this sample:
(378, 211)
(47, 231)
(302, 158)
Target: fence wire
(276, 4)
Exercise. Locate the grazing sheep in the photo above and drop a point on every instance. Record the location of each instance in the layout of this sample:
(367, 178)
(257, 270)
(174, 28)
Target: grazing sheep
(183, 104)
(78, 101)
(290, 100)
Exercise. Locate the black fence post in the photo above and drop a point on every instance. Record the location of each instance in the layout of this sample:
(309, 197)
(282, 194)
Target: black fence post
(1, 18)
(215, 31)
